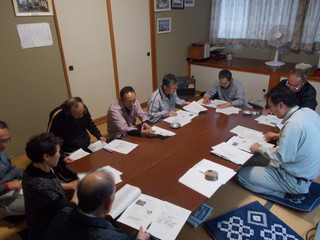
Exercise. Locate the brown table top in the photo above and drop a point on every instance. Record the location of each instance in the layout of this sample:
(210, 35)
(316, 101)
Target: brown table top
(156, 164)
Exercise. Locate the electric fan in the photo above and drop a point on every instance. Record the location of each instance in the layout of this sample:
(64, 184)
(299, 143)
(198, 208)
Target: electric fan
(277, 37)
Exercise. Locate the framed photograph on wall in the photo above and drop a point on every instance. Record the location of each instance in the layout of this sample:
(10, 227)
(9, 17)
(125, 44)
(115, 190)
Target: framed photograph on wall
(162, 5)
(189, 3)
(163, 25)
(177, 4)
(32, 7)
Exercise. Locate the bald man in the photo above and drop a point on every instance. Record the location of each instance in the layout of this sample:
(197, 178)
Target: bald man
(70, 121)
(96, 194)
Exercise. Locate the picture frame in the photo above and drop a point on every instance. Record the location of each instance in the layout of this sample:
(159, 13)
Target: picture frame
(189, 3)
(177, 4)
(33, 7)
(162, 5)
(163, 25)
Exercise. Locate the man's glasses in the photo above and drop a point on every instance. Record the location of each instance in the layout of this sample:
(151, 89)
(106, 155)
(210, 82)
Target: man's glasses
(225, 84)
(294, 88)
(5, 141)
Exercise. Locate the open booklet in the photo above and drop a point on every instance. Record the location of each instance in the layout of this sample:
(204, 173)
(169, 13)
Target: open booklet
(161, 219)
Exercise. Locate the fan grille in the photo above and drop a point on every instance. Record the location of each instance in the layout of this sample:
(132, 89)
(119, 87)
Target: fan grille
(278, 36)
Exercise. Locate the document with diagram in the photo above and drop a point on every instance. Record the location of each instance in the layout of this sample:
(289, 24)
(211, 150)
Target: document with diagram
(161, 219)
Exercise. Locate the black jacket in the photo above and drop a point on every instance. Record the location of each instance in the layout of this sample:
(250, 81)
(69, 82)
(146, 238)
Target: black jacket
(306, 96)
(71, 224)
(73, 131)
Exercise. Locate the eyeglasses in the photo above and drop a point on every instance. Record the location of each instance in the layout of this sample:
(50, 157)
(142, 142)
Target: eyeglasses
(225, 84)
(173, 88)
(5, 141)
(294, 88)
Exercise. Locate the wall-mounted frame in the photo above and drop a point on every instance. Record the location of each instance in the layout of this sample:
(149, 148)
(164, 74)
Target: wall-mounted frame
(32, 7)
(162, 5)
(177, 4)
(163, 25)
(189, 3)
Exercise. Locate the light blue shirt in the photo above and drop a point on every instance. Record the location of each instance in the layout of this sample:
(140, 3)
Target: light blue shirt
(298, 149)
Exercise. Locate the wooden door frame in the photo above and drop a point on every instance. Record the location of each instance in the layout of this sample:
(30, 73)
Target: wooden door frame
(113, 49)
(63, 59)
(152, 45)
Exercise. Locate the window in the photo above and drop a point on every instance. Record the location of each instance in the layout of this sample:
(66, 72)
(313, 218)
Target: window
(248, 22)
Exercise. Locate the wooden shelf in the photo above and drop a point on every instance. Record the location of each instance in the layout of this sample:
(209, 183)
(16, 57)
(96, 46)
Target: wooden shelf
(251, 66)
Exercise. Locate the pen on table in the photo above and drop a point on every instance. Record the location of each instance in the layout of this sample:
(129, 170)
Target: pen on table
(148, 226)
(109, 150)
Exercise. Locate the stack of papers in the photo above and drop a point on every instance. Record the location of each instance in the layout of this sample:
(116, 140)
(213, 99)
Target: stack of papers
(245, 144)
(231, 153)
(194, 178)
(120, 146)
(161, 219)
(80, 153)
(163, 132)
(270, 120)
(194, 107)
(213, 103)
(251, 134)
(116, 174)
(228, 110)
(183, 117)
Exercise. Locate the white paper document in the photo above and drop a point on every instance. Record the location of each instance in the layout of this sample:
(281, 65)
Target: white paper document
(231, 153)
(183, 117)
(270, 120)
(228, 110)
(163, 132)
(93, 147)
(34, 35)
(80, 153)
(194, 107)
(194, 178)
(248, 133)
(123, 198)
(120, 146)
(116, 174)
(213, 103)
(161, 219)
(245, 144)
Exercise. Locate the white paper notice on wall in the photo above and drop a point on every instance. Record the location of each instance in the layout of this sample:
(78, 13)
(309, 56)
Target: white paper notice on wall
(34, 35)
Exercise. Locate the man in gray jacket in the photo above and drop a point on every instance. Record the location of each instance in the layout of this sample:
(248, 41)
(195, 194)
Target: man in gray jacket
(162, 103)
(227, 89)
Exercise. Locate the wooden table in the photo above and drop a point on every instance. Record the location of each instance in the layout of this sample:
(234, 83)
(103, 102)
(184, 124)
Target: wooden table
(156, 164)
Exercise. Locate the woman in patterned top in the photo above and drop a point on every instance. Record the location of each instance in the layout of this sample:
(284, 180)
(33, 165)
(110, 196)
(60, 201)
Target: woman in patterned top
(44, 195)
